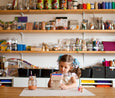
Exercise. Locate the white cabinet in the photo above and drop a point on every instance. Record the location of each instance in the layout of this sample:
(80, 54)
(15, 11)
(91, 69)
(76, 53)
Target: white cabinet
(23, 82)
(20, 82)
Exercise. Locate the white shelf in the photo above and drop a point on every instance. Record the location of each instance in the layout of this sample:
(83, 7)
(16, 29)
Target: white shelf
(6, 77)
(6, 82)
(98, 83)
(112, 82)
(97, 79)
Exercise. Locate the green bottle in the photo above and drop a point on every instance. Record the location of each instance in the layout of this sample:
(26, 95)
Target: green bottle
(113, 5)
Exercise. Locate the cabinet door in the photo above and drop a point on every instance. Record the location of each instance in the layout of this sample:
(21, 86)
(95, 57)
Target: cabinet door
(20, 82)
(23, 82)
(42, 82)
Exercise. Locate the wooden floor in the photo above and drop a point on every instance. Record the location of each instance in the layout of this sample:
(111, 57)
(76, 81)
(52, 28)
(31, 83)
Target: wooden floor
(14, 92)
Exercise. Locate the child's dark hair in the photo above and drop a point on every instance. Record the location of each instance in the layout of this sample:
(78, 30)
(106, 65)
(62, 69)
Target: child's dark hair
(70, 59)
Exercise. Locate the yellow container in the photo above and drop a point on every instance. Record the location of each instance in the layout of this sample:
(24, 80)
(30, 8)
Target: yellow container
(88, 6)
(87, 81)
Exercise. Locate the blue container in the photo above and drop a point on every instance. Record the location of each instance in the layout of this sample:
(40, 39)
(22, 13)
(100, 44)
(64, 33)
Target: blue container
(24, 47)
(103, 5)
(99, 5)
(106, 5)
(109, 5)
(21, 47)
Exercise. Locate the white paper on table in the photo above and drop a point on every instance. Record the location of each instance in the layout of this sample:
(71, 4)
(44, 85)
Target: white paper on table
(50, 92)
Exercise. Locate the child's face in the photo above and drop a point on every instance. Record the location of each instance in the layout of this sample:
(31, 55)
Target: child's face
(64, 67)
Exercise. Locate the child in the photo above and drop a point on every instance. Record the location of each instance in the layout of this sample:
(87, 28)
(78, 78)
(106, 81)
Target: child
(68, 66)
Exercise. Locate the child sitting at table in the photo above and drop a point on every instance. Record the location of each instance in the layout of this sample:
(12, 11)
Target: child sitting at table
(69, 68)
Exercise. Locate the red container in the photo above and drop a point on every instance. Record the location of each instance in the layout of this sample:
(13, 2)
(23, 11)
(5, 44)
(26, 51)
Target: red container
(109, 46)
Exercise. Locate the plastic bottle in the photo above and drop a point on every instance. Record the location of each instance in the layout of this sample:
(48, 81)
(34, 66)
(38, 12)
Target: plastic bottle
(9, 47)
(14, 45)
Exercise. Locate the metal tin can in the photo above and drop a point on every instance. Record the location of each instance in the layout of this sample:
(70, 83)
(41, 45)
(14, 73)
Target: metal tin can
(40, 4)
(48, 4)
(52, 25)
(63, 4)
(42, 25)
(55, 4)
(69, 4)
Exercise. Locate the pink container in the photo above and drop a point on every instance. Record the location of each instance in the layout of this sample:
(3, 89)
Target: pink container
(109, 46)
(106, 63)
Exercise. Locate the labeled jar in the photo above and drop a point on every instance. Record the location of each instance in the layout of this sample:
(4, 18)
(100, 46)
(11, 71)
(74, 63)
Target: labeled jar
(32, 83)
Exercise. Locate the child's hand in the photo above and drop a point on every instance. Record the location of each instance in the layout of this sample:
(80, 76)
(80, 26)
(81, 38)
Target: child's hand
(63, 86)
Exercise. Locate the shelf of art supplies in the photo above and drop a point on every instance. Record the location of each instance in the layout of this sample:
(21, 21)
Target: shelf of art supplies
(60, 11)
(92, 82)
(6, 81)
(57, 31)
(81, 52)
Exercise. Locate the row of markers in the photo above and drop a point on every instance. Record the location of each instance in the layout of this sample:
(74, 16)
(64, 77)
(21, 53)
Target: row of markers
(96, 5)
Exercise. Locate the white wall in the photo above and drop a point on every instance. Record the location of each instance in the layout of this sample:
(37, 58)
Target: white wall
(50, 60)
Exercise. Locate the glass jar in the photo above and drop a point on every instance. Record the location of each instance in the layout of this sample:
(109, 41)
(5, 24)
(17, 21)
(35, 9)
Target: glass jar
(89, 47)
(101, 47)
(32, 83)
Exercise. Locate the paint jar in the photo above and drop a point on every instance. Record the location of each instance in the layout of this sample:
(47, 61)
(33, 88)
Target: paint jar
(80, 6)
(109, 5)
(96, 5)
(55, 4)
(32, 83)
(84, 6)
(113, 5)
(106, 5)
(88, 6)
(99, 5)
(48, 4)
(103, 5)
(92, 5)
(63, 4)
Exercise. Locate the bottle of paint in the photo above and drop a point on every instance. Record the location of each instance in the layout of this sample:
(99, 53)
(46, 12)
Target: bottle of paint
(88, 6)
(103, 5)
(96, 5)
(106, 5)
(99, 5)
(113, 5)
(109, 5)
(92, 5)
(84, 6)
